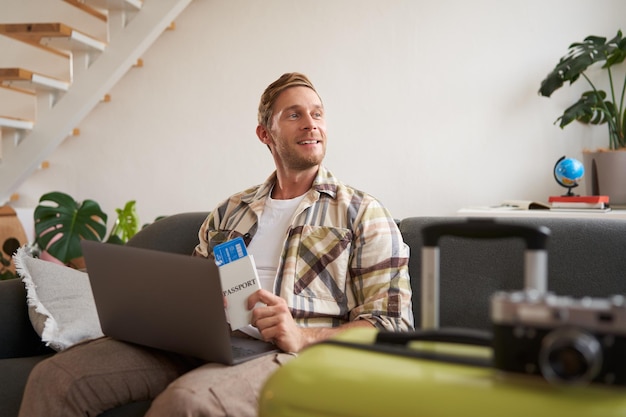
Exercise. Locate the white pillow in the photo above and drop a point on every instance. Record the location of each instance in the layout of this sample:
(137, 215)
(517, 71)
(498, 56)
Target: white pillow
(60, 303)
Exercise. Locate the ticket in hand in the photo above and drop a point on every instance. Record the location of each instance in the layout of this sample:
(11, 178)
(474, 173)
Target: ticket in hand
(230, 251)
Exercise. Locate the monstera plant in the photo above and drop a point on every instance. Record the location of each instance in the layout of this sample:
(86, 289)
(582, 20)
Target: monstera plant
(594, 106)
(62, 222)
(597, 58)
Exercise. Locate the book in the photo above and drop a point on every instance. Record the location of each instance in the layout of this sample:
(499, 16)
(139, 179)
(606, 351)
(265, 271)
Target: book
(524, 205)
(579, 205)
(590, 202)
(579, 198)
(582, 210)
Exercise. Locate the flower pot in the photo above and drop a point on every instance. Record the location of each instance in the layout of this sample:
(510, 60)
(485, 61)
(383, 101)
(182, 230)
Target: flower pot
(12, 236)
(605, 174)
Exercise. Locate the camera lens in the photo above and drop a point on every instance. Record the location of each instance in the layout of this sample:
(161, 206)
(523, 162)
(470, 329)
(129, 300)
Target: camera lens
(570, 355)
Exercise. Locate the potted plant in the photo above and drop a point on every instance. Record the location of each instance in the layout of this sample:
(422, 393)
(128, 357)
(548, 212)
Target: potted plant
(61, 222)
(596, 107)
(126, 225)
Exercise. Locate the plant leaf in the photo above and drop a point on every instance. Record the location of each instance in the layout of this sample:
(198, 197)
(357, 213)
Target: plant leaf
(617, 54)
(60, 227)
(589, 109)
(580, 56)
(126, 225)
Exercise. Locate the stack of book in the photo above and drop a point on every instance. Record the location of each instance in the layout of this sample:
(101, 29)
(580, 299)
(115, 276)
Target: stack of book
(580, 203)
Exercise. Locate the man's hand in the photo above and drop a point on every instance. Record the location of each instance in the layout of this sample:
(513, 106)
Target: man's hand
(276, 324)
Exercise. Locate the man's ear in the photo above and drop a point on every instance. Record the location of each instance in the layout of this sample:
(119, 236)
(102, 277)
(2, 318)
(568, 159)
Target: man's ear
(263, 134)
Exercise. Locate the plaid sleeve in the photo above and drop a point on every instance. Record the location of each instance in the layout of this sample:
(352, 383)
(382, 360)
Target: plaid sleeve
(379, 271)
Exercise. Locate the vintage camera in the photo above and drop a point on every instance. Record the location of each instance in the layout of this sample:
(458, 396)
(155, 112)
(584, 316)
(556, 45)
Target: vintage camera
(566, 340)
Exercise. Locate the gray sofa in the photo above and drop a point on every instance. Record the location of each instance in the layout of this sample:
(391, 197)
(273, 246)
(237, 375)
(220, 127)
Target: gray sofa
(586, 257)
(21, 348)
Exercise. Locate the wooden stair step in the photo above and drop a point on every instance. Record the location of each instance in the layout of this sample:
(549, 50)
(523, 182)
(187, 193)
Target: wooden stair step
(16, 127)
(82, 5)
(17, 89)
(113, 4)
(53, 35)
(16, 123)
(22, 77)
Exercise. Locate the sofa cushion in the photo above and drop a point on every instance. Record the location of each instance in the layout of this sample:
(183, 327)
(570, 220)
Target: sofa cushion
(61, 306)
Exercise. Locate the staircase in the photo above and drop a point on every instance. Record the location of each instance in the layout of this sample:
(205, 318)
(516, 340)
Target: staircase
(75, 69)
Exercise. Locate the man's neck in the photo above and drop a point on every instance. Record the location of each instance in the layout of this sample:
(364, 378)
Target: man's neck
(293, 184)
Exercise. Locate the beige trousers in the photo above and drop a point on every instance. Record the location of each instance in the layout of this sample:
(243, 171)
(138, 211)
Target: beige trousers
(93, 377)
(215, 390)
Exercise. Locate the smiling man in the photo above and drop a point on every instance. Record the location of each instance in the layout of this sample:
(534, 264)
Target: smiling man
(329, 257)
(296, 136)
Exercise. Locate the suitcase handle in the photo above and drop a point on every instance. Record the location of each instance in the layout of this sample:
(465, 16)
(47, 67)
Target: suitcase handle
(535, 265)
(395, 343)
(448, 335)
(536, 238)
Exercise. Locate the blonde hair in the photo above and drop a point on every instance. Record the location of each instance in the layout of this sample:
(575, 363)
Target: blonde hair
(271, 93)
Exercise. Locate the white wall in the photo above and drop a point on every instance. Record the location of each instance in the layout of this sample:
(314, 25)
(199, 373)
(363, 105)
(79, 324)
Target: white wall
(432, 105)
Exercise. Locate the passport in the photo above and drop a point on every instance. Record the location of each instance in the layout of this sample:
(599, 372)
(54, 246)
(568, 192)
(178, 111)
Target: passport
(239, 279)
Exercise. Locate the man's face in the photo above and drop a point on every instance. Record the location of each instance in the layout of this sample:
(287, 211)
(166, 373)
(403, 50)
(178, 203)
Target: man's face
(297, 136)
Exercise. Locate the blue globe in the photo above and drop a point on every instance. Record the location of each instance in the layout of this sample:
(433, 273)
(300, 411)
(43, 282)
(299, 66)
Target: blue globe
(568, 172)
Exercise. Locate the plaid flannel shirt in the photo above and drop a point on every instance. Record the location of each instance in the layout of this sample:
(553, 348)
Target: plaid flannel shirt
(343, 258)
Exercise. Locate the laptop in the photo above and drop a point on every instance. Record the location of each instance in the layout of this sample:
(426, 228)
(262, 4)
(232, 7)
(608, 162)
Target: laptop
(166, 301)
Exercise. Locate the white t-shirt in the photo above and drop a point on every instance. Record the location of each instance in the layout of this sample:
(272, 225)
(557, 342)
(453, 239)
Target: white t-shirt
(267, 245)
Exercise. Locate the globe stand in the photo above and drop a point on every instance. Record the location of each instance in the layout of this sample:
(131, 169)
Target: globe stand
(569, 190)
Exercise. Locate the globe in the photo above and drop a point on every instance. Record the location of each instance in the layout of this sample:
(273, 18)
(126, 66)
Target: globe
(568, 172)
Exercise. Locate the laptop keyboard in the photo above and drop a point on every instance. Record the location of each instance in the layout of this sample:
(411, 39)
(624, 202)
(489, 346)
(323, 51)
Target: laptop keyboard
(239, 351)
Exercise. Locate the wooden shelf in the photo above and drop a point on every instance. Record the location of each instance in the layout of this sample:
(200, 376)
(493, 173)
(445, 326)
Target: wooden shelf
(615, 213)
(52, 35)
(21, 77)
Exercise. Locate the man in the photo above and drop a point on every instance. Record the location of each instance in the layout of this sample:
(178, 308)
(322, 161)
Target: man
(329, 258)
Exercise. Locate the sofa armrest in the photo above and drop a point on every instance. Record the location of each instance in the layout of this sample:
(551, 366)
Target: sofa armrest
(17, 336)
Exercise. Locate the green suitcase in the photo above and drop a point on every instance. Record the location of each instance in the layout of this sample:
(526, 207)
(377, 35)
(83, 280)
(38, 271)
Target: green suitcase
(337, 380)
(436, 372)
